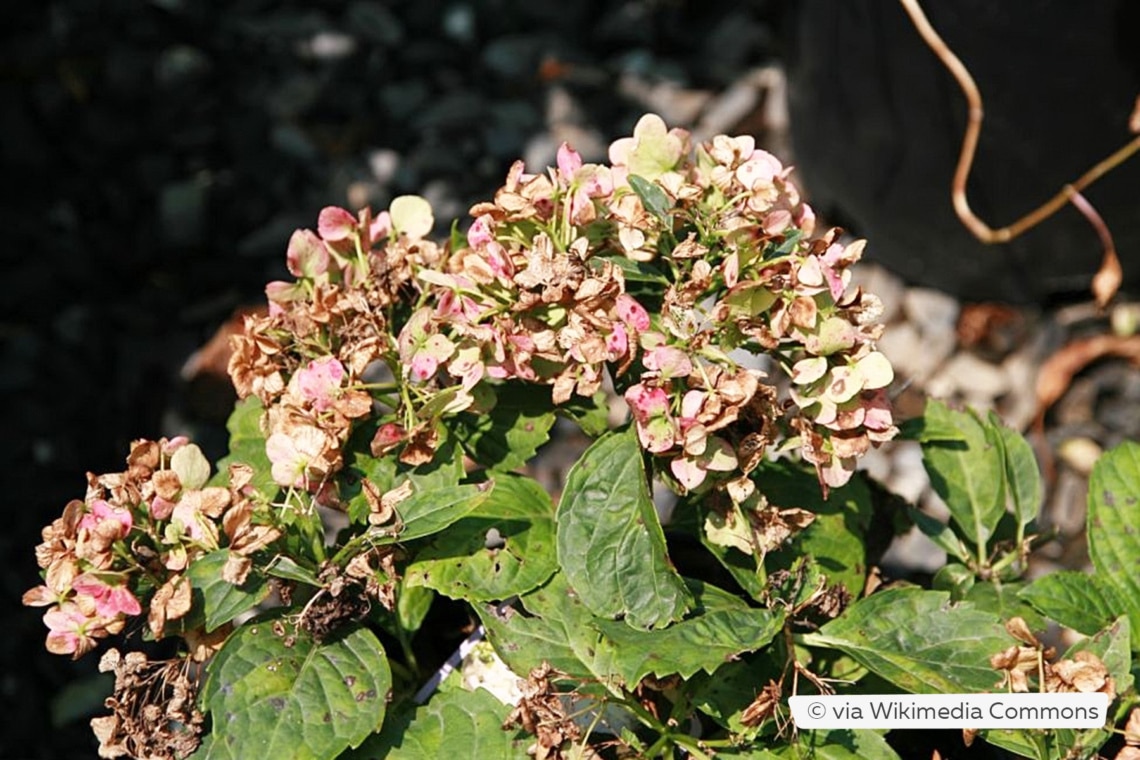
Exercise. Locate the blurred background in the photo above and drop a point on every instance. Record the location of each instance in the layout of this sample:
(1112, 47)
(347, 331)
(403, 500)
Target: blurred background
(158, 155)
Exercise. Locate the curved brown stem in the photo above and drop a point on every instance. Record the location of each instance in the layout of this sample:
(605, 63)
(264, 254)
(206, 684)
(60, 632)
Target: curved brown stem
(1067, 194)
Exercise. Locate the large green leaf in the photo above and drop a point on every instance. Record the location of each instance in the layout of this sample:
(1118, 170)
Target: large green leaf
(968, 474)
(561, 630)
(551, 626)
(421, 514)
(1074, 599)
(247, 446)
(273, 695)
(463, 563)
(919, 640)
(721, 628)
(1114, 527)
(592, 414)
(836, 539)
(1022, 476)
(508, 436)
(1004, 601)
(218, 599)
(610, 542)
(454, 724)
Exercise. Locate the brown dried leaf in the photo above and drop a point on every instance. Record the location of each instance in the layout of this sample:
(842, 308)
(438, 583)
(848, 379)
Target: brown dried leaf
(1058, 371)
(166, 484)
(1132, 728)
(1108, 278)
(236, 570)
(773, 526)
(170, 602)
(764, 706)
(1019, 629)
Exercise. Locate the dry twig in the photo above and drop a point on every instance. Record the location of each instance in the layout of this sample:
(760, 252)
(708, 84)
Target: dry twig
(1107, 279)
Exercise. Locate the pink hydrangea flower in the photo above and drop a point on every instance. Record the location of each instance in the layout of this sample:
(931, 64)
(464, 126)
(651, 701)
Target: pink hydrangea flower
(110, 600)
(632, 313)
(335, 223)
(480, 232)
(319, 382)
(669, 361)
(650, 408)
(306, 255)
(103, 515)
(68, 630)
(569, 162)
(292, 456)
(617, 342)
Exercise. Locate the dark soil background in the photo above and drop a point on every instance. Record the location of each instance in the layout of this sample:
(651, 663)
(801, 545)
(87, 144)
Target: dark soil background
(157, 155)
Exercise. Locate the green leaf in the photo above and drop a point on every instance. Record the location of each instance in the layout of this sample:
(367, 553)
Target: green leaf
(387, 472)
(1023, 742)
(919, 641)
(290, 570)
(542, 626)
(838, 744)
(1022, 477)
(1074, 599)
(459, 563)
(1114, 527)
(220, 600)
(561, 630)
(721, 628)
(1005, 602)
(938, 422)
(421, 514)
(610, 542)
(725, 694)
(940, 533)
(412, 605)
(652, 197)
(636, 271)
(968, 475)
(955, 578)
(269, 696)
(592, 414)
(247, 446)
(453, 724)
(837, 536)
(508, 437)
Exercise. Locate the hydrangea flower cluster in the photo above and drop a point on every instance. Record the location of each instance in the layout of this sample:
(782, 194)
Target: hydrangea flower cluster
(655, 266)
(654, 271)
(133, 537)
(651, 269)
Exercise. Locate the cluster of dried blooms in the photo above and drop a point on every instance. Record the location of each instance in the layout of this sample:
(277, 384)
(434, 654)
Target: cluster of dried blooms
(154, 715)
(651, 269)
(134, 536)
(541, 712)
(1085, 672)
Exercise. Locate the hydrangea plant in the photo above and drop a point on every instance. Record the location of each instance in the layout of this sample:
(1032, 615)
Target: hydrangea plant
(393, 394)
